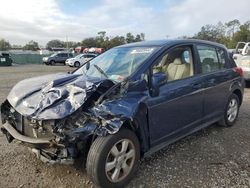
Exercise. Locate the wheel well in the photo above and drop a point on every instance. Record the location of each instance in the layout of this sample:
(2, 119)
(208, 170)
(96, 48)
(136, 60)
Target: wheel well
(126, 125)
(91, 138)
(239, 94)
(133, 126)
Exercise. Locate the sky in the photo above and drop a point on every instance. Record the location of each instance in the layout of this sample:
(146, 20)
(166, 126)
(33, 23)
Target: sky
(44, 20)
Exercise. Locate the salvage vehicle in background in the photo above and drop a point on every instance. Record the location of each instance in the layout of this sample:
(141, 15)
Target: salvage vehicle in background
(244, 63)
(59, 57)
(125, 104)
(5, 59)
(80, 59)
(242, 49)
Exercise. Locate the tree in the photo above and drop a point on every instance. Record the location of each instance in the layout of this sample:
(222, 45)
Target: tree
(142, 36)
(242, 35)
(116, 41)
(4, 45)
(214, 33)
(71, 44)
(32, 45)
(55, 44)
(130, 38)
(138, 38)
(90, 42)
(102, 34)
(103, 41)
(228, 34)
(232, 26)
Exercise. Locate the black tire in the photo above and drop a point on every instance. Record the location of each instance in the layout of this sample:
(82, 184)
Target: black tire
(98, 156)
(247, 84)
(52, 62)
(225, 122)
(77, 64)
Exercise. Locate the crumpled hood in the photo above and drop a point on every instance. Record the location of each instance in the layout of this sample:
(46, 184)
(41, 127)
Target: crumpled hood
(52, 96)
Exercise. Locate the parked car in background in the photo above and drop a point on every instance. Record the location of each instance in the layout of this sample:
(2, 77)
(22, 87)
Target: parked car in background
(59, 57)
(79, 60)
(5, 59)
(127, 103)
(244, 63)
(242, 49)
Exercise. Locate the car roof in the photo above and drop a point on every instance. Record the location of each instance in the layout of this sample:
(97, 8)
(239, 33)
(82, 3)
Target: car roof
(89, 54)
(170, 42)
(62, 52)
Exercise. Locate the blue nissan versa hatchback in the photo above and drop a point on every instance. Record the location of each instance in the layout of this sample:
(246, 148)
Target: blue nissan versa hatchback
(124, 105)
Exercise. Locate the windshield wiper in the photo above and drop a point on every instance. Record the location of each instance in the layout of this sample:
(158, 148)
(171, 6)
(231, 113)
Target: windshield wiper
(101, 71)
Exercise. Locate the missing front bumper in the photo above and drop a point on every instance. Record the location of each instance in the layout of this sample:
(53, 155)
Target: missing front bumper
(59, 155)
(40, 155)
(8, 130)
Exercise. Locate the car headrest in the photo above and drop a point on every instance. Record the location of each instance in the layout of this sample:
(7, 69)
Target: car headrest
(208, 60)
(177, 61)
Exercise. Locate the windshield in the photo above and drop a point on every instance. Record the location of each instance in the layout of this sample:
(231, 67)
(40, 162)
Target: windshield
(53, 55)
(116, 64)
(79, 56)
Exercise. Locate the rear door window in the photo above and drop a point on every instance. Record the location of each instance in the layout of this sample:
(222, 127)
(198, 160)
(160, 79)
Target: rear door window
(211, 59)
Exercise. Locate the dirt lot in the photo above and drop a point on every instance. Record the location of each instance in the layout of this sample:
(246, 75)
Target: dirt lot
(213, 157)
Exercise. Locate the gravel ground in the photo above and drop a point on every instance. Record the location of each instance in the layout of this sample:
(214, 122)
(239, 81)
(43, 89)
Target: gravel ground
(213, 157)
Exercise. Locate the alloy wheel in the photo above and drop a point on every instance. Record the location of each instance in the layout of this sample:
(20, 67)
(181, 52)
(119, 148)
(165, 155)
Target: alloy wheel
(232, 110)
(120, 160)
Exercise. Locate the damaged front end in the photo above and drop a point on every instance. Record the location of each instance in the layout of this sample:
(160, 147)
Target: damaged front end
(58, 119)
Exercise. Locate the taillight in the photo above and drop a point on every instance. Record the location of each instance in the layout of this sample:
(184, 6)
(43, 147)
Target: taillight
(239, 70)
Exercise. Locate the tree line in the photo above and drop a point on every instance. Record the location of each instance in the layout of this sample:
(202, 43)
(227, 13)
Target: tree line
(101, 41)
(228, 33)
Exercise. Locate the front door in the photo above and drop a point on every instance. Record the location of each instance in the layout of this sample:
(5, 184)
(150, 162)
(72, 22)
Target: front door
(179, 107)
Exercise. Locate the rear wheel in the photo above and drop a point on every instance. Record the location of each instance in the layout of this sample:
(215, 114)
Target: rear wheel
(231, 111)
(77, 64)
(113, 160)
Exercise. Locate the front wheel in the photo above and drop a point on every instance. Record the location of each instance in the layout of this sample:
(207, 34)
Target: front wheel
(52, 62)
(77, 64)
(113, 160)
(231, 111)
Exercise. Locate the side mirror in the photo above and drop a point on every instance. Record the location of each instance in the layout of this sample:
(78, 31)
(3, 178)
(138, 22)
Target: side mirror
(157, 79)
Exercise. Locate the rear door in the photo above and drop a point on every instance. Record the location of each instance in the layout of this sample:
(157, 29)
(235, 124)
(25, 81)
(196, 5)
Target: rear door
(65, 56)
(216, 73)
(60, 57)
